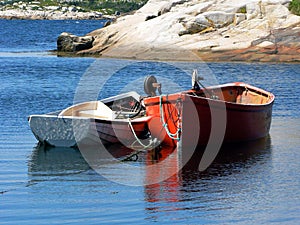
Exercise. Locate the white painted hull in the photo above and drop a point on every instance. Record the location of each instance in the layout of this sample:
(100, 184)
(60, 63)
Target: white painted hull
(91, 123)
(63, 131)
(73, 131)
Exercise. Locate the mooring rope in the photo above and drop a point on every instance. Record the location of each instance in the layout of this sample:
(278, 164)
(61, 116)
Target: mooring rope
(175, 136)
(152, 145)
(136, 137)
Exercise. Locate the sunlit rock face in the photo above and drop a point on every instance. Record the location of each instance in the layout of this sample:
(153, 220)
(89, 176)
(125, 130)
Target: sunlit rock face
(201, 29)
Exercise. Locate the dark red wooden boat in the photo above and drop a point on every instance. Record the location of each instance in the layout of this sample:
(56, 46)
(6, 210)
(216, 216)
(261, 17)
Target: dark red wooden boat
(233, 112)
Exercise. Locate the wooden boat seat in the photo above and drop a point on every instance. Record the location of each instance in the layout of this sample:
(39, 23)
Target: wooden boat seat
(250, 97)
(94, 109)
(94, 114)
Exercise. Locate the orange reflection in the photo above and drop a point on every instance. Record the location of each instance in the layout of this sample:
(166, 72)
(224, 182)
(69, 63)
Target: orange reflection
(168, 189)
(179, 172)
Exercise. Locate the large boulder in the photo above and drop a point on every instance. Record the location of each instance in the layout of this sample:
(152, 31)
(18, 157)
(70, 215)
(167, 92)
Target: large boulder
(203, 21)
(219, 19)
(195, 25)
(67, 42)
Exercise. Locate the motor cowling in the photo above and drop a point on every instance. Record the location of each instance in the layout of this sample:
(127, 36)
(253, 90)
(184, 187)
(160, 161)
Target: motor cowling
(151, 85)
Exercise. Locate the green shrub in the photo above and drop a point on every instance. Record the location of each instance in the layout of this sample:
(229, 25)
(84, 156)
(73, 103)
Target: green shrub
(294, 7)
(111, 6)
(242, 10)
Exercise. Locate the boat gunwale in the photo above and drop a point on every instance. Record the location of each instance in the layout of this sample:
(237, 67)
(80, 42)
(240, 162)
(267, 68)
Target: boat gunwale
(269, 95)
(142, 119)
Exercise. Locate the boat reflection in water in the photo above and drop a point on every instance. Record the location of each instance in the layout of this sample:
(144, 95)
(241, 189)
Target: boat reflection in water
(232, 158)
(55, 161)
(180, 179)
(231, 153)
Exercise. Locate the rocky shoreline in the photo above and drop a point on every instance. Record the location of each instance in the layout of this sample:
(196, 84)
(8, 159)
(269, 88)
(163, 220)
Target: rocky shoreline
(181, 30)
(24, 11)
(227, 30)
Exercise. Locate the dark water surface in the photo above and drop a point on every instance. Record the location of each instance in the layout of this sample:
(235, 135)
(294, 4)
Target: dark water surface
(252, 183)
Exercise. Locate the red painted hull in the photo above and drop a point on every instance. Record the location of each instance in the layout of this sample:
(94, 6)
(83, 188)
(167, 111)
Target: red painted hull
(200, 120)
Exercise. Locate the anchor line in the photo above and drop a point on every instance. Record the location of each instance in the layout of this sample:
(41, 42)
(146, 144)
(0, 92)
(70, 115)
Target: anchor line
(145, 148)
(175, 136)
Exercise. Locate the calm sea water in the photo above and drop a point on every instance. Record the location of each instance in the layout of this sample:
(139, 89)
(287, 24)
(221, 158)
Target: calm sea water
(257, 182)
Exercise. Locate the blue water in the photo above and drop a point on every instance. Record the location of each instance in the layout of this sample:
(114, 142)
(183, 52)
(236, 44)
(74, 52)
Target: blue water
(38, 35)
(253, 183)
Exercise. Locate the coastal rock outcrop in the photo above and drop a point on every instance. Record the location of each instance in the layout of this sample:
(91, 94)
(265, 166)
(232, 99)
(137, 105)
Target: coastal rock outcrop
(67, 42)
(207, 30)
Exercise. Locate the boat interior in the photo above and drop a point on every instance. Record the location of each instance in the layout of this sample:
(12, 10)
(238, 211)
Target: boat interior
(117, 107)
(239, 94)
(93, 109)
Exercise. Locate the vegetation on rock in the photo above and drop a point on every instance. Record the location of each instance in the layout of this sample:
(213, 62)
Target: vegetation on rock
(294, 7)
(242, 10)
(105, 6)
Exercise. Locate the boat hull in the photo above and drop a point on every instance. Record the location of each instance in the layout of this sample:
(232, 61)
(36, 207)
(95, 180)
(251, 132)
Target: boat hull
(201, 120)
(242, 122)
(73, 131)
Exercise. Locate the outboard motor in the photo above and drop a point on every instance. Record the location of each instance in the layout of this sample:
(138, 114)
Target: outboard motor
(151, 85)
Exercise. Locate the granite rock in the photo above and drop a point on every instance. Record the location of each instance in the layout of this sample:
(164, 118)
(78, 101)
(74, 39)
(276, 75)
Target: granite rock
(67, 42)
(202, 30)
